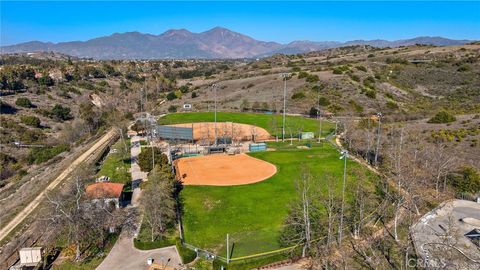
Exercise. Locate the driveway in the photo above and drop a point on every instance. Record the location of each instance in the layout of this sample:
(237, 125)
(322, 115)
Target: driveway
(124, 255)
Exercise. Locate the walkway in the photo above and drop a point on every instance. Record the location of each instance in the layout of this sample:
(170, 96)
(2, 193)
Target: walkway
(124, 255)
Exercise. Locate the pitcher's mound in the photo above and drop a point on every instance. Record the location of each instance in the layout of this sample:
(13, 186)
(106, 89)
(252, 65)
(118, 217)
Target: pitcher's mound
(223, 170)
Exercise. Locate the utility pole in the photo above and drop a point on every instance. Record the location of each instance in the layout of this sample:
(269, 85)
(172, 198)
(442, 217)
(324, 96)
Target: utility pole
(340, 230)
(379, 116)
(214, 86)
(228, 249)
(285, 76)
(319, 114)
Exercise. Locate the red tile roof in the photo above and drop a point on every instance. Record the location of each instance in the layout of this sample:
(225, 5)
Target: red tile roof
(104, 190)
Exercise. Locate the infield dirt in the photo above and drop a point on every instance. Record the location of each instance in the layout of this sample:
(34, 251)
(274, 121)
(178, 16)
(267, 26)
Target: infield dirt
(223, 170)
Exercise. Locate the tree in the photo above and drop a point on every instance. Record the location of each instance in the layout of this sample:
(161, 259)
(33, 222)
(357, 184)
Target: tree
(24, 102)
(68, 213)
(145, 158)
(302, 219)
(45, 80)
(158, 202)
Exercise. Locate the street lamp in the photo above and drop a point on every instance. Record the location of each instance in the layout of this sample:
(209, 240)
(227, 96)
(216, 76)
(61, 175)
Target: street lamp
(344, 156)
(379, 116)
(214, 87)
(285, 77)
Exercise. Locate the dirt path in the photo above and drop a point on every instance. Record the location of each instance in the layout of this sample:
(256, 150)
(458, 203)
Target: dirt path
(20, 217)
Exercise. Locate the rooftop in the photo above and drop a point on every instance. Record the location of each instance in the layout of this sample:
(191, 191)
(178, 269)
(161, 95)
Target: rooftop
(104, 190)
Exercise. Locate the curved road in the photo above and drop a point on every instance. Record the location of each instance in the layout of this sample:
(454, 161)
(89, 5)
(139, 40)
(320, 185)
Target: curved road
(20, 217)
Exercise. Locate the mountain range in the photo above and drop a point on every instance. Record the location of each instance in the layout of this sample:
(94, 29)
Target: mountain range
(215, 43)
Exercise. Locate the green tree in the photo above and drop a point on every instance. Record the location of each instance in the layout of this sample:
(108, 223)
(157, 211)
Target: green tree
(145, 158)
(171, 96)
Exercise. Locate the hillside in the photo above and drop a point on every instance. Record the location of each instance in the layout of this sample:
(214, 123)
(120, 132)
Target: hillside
(57, 101)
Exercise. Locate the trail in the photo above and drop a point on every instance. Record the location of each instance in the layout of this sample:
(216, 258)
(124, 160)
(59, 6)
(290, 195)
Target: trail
(22, 215)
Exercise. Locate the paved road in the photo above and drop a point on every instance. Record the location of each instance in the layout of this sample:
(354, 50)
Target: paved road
(20, 217)
(124, 255)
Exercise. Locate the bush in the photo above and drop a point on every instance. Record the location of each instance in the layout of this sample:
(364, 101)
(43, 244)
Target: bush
(392, 105)
(186, 254)
(466, 181)
(184, 89)
(60, 113)
(24, 102)
(298, 95)
(464, 68)
(323, 101)
(312, 78)
(40, 155)
(171, 96)
(45, 80)
(194, 95)
(442, 117)
(371, 93)
(362, 68)
(30, 120)
(172, 109)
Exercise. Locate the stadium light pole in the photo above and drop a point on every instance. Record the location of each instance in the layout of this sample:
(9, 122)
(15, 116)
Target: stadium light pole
(214, 86)
(285, 76)
(319, 114)
(344, 156)
(379, 115)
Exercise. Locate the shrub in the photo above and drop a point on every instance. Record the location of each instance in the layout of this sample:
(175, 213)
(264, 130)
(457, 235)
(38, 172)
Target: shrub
(250, 85)
(362, 68)
(358, 108)
(60, 113)
(312, 78)
(30, 120)
(371, 93)
(466, 181)
(369, 82)
(24, 102)
(298, 95)
(371, 55)
(323, 101)
(172, 108)
(313, 112)
(340, 69)
(464, 68)
(442, 117)
(186, 254)
(171, 96)
(355, 77)
(40, 155)
(45, 80)
(392, 105)
(194, 94)
(302, 74)
(184, 89)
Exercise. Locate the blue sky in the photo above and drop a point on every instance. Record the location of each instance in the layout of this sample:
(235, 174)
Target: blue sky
(270, 21)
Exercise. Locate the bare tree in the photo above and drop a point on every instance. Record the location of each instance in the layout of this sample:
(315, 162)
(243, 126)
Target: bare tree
(158, 202)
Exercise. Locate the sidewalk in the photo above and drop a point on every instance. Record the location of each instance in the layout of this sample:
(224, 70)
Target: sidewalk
(124, 255)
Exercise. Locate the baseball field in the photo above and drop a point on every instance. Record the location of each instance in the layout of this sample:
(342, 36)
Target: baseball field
(253, 213)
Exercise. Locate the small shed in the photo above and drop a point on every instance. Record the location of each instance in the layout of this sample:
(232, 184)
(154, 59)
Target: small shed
(31, 256)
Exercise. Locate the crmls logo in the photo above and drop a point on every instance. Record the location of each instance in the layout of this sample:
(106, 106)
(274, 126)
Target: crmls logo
(424, 263)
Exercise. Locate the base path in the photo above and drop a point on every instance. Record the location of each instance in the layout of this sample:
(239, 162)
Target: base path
(223, 170)
(99, 144)
(239, 132)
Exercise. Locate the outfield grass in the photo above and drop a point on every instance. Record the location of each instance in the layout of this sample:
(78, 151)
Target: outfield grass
(116, 165)
(266, 121)
(253, 214)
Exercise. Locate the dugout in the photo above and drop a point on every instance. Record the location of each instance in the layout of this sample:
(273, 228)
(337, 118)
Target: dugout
(216, 149)
(224, 140)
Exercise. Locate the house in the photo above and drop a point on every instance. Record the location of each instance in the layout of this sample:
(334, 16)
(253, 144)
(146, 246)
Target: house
(105, 192)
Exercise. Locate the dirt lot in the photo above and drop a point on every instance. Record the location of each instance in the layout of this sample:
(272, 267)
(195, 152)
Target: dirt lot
(239, 132)
(223, 170)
